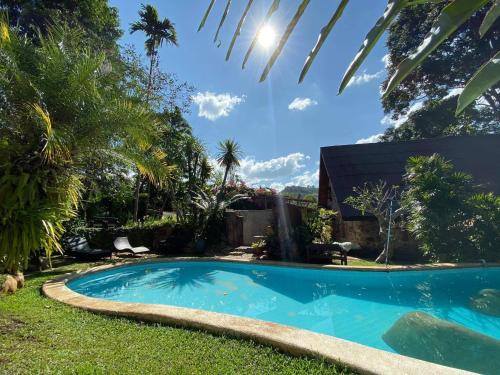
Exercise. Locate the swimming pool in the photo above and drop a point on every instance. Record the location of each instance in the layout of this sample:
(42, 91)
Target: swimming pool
(360, 306)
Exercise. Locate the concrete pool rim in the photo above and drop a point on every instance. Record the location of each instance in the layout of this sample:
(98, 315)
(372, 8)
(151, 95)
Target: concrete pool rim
(292, 340)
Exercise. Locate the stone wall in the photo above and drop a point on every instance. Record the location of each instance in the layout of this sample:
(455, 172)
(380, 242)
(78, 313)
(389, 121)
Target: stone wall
(365, 233)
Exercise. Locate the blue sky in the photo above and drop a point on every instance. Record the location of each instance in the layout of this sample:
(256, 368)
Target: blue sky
(279, 123)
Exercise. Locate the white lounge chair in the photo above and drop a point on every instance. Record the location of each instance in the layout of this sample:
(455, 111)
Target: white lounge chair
(79, 247)
(122, 244)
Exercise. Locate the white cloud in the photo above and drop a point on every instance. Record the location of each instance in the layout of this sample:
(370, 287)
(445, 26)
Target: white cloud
(308, 178)
(363, 78)
(386, 59)
(299, 104)
(277, 186)
(388, 121)
(254, 171)
(213, 106)
(372, 139)
(279, 172)
(453, 92)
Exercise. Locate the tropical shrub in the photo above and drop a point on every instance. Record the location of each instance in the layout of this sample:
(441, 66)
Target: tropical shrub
(59, 106)
(320, 225)
(447, 215)
(210, 225)
(485, 232)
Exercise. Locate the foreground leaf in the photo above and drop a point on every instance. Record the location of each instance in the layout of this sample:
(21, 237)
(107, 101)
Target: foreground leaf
(209, 9)
(485, 77)
(323, 34)
(273, 8)
(490, 18)
(238, 28)
(450, 19)
(300, 10)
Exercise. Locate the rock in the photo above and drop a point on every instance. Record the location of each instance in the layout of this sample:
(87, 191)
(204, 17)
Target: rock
(487, 301)
(422, 336)
(9, 285)
(20, 280)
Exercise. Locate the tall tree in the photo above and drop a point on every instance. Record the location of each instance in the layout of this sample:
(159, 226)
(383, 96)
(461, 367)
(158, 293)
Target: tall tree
(437, 118)
(228, 157)
(98, 21)
(437, 82)
(157, 32)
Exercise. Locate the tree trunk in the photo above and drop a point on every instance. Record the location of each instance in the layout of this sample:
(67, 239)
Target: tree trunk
(137, 194)
(138, 178)
(225, 178)
(382, 256)
(150, 78)
(383, 238)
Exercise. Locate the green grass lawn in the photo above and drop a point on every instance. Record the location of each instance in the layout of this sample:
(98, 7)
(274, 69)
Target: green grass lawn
(38, 335)
(358, 262)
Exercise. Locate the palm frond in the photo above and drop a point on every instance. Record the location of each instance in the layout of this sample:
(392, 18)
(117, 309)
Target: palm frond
(4, 33)
(391, 11)
(273, 8)
(323, 35)
(485, 78)
(238, 29)
(284, 38)
(205, 16)
(490, 18)
(224, 15)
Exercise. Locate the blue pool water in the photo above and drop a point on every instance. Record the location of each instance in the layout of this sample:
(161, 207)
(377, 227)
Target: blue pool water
(355, 305)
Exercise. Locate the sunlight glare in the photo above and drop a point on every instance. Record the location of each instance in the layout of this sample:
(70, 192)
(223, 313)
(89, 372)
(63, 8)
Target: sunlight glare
(267, 36)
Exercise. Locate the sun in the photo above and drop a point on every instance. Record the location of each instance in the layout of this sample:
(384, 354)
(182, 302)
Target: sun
(267, 35)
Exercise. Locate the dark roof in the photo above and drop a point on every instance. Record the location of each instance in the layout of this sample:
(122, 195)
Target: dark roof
(353, 165)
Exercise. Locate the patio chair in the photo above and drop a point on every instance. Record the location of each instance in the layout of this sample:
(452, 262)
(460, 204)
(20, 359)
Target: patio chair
(79, 247)
(122, 244)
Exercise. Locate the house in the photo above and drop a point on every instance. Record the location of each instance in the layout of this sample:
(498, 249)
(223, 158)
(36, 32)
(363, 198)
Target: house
(344, 167)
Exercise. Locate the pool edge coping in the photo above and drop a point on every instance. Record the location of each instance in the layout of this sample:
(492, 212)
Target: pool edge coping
(289, 339)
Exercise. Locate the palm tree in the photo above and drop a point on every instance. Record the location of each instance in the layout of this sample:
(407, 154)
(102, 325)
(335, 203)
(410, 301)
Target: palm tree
(229, 157)
(157, 32)
(205, 169)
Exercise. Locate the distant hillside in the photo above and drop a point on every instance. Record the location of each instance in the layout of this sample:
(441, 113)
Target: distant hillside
(304, 192)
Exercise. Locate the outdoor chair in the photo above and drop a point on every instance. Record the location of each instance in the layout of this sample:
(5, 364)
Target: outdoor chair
(122, 244)
(326, 253)
(79, 247)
